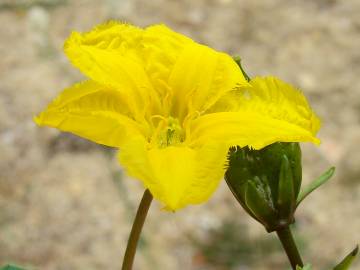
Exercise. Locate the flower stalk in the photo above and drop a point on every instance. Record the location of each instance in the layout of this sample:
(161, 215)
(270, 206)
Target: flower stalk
(136, 230)
(289, 245)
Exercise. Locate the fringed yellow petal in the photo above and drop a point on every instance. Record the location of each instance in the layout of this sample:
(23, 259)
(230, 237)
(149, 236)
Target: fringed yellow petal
(244, 128)
(160, 50)
(175, 175)
(210, 168)
(94, 112)
(200, 77)
(268, 112)
(109, 54)
(282, 101)
(195, 75)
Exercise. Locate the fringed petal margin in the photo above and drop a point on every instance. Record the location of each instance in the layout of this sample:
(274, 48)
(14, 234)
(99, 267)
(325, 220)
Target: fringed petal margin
(109, 55)
(176, 175)
(200, 77)
(270, 111)
(246, 129)
(94, 112)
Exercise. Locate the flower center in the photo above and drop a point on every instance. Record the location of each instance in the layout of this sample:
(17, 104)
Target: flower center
(170, 132)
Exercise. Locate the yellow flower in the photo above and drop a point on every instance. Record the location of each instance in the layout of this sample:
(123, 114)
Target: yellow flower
(173, 107)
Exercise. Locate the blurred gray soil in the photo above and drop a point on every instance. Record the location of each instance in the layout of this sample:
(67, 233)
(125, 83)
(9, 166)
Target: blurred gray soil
(66, 204)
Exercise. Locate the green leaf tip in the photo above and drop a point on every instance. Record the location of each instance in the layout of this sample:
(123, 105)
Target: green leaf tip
(322, 179)
(348, 260)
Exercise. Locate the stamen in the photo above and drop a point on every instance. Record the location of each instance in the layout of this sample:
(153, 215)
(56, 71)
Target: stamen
(168, 132)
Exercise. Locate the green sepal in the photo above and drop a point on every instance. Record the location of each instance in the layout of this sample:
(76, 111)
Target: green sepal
(260, 207)
(11, 267)
(272, 156)
(294, 155)
(239, 193)
(322, 179)
(237, 175)
(306, 267)
(286, 194)
(348, 260)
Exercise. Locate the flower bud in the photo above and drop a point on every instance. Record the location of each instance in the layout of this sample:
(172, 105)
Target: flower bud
(266, 182)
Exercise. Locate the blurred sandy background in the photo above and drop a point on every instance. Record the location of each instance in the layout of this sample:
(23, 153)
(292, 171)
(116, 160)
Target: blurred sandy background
(65, 203)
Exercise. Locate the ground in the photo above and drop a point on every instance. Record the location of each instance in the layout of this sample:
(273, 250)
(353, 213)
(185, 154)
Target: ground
(66, 204)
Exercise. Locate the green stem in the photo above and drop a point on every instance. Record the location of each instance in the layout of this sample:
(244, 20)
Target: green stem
(289, 246)
(136, 230)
